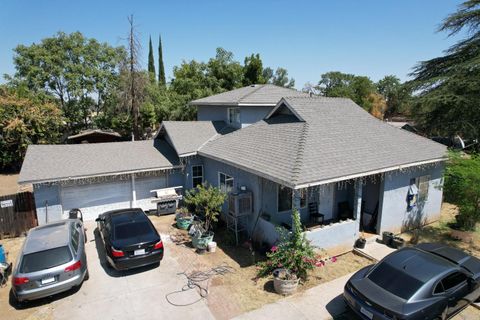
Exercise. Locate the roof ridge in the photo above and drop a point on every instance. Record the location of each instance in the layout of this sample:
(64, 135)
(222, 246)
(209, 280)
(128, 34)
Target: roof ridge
(251, 92)
(300, 151)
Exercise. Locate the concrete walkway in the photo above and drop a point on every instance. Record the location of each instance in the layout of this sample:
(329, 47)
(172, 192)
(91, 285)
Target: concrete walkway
(321, 302)
(376, 250)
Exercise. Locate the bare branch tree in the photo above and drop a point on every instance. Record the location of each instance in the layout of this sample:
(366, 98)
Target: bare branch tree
(134, 48)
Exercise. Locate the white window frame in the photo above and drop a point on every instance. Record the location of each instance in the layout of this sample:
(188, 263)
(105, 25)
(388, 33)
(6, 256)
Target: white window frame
(236, 121)
(227, 178)
(194, 177)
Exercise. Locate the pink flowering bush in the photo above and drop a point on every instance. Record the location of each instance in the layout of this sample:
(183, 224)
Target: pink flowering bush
(294, 253)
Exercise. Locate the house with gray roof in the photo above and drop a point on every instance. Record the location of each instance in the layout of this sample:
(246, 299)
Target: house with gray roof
(271, 150)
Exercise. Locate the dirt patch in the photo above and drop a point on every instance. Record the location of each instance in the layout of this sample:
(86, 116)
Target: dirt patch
(440, 231)
(9, 185)
(238, 292)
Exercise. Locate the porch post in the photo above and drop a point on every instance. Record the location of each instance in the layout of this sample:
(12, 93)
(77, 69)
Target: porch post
(357, 204)
(134, 192)
(296, 196)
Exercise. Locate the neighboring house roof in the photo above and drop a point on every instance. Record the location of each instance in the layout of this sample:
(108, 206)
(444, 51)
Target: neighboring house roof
(322, 140)
(254, 95)
(95, 136)
(187, 137)
(397, 124)
(45, 163)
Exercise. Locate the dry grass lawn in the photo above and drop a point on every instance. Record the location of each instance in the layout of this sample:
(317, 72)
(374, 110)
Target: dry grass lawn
(238, 292)
(440, 232)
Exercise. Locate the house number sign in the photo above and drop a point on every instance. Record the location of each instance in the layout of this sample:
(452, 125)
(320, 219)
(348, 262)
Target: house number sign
(6, 203)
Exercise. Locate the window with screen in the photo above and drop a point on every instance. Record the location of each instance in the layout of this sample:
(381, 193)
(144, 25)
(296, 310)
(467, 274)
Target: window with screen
(197, 175)
(225, 182)
(422, 185)
(234, 116)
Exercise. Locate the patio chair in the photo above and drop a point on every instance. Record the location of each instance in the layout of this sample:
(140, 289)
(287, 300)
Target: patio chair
(315, 216)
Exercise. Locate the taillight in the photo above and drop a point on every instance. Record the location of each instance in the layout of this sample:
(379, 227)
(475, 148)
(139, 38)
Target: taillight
(19, 281)
(74, 266)
(158, 245)
(117, 253)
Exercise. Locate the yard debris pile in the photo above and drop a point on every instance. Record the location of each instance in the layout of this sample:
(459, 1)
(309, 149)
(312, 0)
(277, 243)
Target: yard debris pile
(180, 238)
(199, 281)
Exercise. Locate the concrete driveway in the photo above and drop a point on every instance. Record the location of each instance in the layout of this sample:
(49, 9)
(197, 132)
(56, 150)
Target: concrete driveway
(138, 294)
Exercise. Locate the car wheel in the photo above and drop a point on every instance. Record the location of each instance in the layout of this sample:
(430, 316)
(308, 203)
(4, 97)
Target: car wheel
(443, 316)
(87, 276)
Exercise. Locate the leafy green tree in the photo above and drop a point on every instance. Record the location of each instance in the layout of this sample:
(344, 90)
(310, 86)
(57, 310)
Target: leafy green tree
(80, 72)
(252, 70)
(151, 63)
(462, 187)
(161, 68)
(207, 202)
(226, 73)
(281, 78)
(357, 88)
(26, 118)
(448, 96)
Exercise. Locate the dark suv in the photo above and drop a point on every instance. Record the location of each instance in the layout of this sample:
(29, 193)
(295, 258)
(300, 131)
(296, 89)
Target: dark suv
(130, 239)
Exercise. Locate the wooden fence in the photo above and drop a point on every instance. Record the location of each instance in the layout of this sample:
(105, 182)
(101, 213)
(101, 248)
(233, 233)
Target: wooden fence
(17, 214)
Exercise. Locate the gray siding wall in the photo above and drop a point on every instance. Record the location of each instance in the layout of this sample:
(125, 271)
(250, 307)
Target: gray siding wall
(395, 215)
(48, 198)
(248, 115)
(212, 113)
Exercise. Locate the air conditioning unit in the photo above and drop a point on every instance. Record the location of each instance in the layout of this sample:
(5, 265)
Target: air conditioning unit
(240, 203)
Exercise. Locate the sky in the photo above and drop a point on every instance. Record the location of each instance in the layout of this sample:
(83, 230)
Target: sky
(370, 37)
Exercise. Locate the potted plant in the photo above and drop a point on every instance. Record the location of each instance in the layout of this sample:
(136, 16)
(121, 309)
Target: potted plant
(184, 218)
(207, 202)
(290, 260)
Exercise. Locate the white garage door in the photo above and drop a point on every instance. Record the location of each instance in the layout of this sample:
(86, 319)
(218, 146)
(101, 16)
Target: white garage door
(93, 199)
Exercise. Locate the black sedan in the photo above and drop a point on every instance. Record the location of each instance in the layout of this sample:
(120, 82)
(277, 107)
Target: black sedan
(130, 239)
(429, 281)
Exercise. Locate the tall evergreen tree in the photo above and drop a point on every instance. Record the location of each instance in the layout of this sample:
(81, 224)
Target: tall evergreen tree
(448, 85)
(161, 67)
(151, 63)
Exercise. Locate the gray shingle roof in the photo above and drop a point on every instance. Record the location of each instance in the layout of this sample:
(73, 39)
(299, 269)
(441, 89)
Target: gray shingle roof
(258, 94)
(188, 136)
(337, 139)
(59, 162)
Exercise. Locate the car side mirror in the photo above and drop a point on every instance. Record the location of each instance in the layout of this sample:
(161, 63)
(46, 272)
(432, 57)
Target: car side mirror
(99, 219)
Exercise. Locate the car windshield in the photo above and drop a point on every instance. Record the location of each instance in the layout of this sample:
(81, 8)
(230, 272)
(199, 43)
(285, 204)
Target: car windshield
(395, 281)
(45, 259)
(132, 229)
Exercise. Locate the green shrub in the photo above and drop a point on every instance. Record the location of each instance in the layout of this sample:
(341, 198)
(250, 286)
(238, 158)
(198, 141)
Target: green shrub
(462, 187)
(207, 201)
(294, 252)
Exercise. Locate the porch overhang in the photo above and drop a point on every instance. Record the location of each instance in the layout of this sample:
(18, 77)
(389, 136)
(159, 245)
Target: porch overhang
(368, 173)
